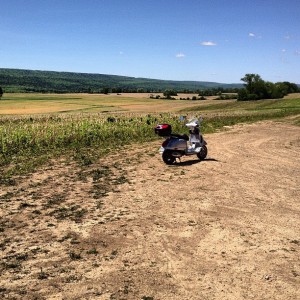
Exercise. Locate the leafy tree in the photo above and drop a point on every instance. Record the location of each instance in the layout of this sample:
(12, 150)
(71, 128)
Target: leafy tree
(169, 93)
(260, 90)
(105, 90)
(242, 95)
(273, 90)
(287, 87)
(252, 82)
(256, 88)
(1, 92)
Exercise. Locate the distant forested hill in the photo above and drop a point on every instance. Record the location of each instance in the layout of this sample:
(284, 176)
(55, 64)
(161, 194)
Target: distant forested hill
(16, 80)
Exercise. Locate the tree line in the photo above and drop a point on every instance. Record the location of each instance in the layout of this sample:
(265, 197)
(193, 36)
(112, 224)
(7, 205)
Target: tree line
(256, 88)
(16, 80)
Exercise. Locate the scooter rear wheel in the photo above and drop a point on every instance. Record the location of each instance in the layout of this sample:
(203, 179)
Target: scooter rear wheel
(168, 158)
(203, 153)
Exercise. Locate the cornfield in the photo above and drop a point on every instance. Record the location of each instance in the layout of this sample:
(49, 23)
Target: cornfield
(40, 135)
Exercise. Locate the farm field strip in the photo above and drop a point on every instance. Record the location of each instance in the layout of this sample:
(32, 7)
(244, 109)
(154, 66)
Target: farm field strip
(28, 139)
(27, 104)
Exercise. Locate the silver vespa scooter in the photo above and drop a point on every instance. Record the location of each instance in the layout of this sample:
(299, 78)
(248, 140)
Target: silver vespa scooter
(176, 145)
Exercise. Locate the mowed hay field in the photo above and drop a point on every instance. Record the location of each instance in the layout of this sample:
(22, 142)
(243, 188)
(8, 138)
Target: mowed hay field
(121, 224)
(12, 104)
(36, 104)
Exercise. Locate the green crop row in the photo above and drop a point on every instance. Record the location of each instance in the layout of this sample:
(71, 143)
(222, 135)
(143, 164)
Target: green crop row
(40, 134)
(27, 138)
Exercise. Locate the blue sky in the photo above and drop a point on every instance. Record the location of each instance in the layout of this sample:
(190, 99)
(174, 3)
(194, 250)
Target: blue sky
(212, 40)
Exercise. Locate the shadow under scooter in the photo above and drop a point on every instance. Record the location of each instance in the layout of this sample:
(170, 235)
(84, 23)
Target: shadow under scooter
(192, 162)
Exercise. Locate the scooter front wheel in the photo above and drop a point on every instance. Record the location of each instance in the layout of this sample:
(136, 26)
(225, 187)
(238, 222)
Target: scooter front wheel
(168, 158)
(203, 153)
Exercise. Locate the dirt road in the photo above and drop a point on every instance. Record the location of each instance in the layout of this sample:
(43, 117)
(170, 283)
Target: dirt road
(224, 228)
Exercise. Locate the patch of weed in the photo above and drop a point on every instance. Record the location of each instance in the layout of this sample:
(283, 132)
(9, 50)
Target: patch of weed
(120, 180)
(74, 213)
(92, 251)
(55, 200)
(99, 204)
(74, 256)
(99, 173)
(25, 205)
(7, 196)
(42, 275)
(100, 190)
(7, 180)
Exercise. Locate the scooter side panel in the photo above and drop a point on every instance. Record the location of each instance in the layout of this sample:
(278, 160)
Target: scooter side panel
(177, 144)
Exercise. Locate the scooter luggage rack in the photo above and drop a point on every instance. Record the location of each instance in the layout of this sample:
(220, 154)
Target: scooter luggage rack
(163, 130)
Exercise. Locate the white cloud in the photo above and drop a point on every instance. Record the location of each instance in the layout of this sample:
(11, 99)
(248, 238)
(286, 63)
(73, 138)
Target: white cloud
(208, 43)
(254, 35)
(283, 50)
(180, 55)
(297, 52)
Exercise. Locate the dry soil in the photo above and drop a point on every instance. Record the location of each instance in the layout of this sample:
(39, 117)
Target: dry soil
(131, 227)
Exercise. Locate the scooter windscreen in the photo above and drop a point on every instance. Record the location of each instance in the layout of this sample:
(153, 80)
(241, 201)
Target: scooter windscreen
(193, 123)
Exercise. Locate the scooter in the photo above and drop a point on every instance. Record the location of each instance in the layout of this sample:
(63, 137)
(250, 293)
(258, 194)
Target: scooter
(177, 145)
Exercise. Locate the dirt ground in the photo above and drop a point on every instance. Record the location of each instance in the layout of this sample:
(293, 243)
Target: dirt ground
(131, 227)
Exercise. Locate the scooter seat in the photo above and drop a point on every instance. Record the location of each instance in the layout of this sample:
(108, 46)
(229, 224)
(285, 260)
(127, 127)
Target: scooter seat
(180, 136)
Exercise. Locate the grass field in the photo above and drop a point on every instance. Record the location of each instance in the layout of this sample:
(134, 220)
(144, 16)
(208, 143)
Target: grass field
(37, 127)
